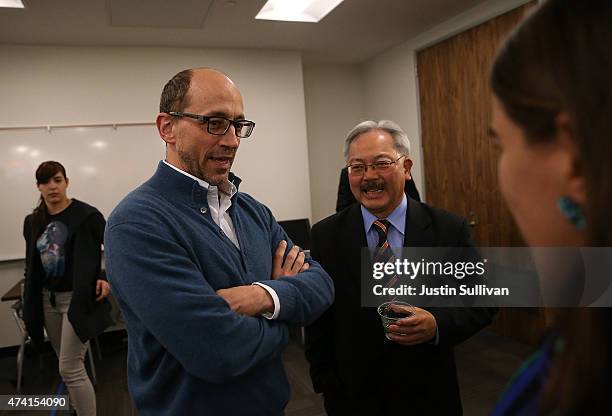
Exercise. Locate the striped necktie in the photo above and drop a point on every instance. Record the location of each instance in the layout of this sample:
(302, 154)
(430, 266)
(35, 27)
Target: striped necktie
(383, 252)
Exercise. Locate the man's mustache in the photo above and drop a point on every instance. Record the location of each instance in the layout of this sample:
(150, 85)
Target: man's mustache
(372, 186)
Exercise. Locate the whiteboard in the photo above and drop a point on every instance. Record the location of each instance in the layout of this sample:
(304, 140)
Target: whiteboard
(103, 165)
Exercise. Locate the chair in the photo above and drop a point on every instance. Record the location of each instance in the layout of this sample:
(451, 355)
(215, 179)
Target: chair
(25, 339)
(298, 230)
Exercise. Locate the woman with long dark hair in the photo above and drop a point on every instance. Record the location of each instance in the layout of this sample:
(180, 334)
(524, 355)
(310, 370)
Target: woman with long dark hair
(552, 106)
(63, 291)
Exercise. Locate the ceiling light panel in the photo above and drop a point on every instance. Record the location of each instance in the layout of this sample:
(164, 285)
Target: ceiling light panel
(297, 10)
(14, 4)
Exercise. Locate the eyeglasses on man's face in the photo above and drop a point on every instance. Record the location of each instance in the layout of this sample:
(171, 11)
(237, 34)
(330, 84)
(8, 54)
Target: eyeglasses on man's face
(218, 125)
(380, 166)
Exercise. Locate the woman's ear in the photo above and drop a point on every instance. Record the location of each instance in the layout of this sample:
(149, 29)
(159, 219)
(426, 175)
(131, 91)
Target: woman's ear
(572, 169)
(165, 127)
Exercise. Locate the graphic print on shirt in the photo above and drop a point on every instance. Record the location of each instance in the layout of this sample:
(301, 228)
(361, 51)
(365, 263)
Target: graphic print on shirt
(50, 245)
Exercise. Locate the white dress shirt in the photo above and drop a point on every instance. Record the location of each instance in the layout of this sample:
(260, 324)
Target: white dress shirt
(219, 200)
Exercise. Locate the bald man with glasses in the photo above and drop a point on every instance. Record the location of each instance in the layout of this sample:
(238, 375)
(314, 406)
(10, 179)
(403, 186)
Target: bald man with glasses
(206, 279)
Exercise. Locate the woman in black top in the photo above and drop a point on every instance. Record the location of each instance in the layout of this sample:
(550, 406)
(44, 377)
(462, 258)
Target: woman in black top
(62, 290)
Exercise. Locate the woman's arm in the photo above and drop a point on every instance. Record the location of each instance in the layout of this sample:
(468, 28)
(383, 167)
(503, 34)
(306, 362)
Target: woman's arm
(27, 235)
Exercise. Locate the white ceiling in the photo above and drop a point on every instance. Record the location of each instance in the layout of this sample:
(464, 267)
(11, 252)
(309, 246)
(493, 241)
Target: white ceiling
(352, 33)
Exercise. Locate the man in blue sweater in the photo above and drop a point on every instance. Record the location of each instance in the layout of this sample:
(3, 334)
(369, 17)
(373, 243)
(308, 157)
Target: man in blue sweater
(206, 279)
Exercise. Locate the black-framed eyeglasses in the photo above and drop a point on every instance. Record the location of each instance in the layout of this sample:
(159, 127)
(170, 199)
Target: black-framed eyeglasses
(380, 166)
(218, 125)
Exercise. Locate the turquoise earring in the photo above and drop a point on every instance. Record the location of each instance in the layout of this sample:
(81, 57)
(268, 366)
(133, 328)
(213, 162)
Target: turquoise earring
(572, 211)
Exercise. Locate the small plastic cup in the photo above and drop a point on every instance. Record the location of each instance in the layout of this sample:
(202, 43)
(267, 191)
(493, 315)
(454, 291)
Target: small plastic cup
(389, 316)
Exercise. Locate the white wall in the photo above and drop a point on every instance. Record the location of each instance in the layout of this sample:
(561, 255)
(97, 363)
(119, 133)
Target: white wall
(390, 79)
(334, 105)
(71, 85)
(390, 88)
(59, 85)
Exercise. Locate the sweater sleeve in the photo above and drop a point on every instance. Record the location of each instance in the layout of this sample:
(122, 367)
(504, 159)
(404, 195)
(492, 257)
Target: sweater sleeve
(87, 254)
(97, 223)
(154, 277)
(305, 296)
(27, 234)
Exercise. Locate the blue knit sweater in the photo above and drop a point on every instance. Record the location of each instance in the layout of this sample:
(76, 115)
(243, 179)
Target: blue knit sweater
(188, 352)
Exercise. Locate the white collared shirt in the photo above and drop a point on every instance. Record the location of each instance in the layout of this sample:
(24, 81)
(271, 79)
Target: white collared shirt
(219, 203)
(219, 200)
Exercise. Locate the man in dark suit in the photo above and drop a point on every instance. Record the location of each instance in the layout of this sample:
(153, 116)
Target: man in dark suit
(358, 370)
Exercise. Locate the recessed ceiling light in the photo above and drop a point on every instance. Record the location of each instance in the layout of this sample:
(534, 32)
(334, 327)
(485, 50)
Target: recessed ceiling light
(15, 4)
(297, 10)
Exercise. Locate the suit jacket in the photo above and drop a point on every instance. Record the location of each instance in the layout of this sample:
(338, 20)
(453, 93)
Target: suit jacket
(351, 362)
(346, 197)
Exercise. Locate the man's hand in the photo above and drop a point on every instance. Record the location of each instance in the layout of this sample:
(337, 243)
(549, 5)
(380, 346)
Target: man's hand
(413, 330)
(294, 263)
(248, 300)
(102, 289)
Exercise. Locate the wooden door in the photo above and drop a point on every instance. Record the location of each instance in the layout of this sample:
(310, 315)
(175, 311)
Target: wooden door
(460, 161)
